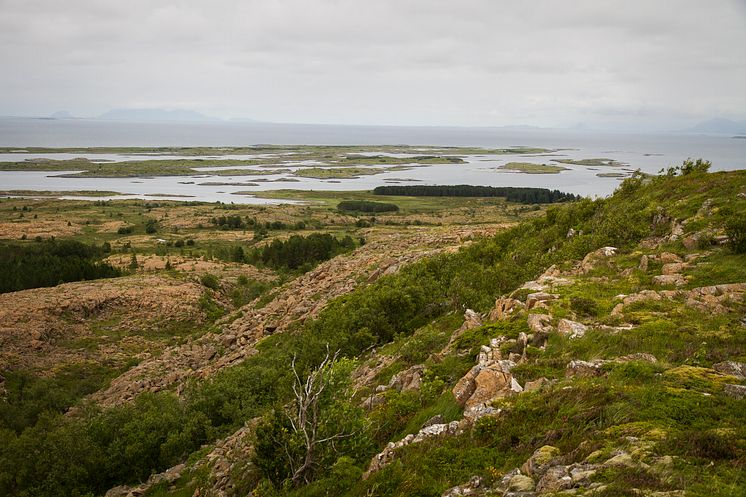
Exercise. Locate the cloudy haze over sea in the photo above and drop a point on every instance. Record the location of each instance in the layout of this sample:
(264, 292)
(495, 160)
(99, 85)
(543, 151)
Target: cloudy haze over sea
(623, 65)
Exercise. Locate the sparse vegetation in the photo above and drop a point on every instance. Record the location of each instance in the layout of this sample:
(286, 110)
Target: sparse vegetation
(366, 206)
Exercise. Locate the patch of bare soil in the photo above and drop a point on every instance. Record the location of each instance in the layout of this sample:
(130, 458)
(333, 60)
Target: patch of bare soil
(32, 228)
(93, 320)
(188, 265)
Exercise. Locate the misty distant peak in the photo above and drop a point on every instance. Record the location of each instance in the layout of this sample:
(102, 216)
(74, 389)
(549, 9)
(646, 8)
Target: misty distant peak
(155, 115)
(720, 126)
(62, 114)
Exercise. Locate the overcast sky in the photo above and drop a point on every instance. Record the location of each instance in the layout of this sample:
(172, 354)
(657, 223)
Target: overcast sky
(647, 64)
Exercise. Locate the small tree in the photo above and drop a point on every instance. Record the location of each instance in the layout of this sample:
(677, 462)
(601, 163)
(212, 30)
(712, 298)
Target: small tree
(295, 442)
(699, 166)
(735, 228)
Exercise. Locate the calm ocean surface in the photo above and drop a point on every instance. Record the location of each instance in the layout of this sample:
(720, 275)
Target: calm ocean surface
(649, 152)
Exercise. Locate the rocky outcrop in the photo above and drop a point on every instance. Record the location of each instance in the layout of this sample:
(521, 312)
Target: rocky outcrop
(168, 476)
(732, 368)
(488, 380)
(404, 381)
(585, 369)
(540, 460)
(571, 329)
(735, 391)
(711, 299)
(539, 323)
(505, 308)
(471, 320)
(593, 259)
(475, 486)
(669, 280)
(547, 472)
(407, 380)
(388, 454)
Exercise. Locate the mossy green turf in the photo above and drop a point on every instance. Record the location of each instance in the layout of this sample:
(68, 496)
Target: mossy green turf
(276, 158)
(531, 168)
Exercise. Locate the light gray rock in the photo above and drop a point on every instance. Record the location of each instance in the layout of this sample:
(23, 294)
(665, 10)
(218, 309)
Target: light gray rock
(585, 368)
(539, 323)
(733, 368)
(555, 479)
(572, 329)
(669, 280)
(736, 391)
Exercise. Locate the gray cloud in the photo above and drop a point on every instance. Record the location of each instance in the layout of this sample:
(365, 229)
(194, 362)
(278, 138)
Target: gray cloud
(472, 62)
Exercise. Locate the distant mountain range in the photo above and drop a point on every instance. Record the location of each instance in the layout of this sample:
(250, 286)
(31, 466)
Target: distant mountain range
(151, 115)
(719, 126)
(154, 115)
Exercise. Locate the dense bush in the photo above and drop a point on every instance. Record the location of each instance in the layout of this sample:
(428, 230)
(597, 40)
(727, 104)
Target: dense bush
(366, 206)
(735, 228)
(300, 252)
(523, 195)
(50, 263)
(229, 222)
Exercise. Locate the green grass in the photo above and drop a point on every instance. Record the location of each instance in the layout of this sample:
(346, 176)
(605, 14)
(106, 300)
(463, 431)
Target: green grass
(590, 162)
(338, 172)
(50, 193)
(531, 168)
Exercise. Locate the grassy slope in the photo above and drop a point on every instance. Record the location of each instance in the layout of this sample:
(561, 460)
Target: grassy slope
(675, 407)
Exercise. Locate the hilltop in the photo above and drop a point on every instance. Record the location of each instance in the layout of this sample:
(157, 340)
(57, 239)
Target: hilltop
(596, 347)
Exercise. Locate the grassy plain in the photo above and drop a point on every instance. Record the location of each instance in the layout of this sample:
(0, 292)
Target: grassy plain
(531, 168)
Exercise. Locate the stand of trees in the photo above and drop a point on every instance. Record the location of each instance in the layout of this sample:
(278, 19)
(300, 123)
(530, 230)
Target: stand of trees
(50, 263)
(366, 206)
(299, 251)
(522, 195)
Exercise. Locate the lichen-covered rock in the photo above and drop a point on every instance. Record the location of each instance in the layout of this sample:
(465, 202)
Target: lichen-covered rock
(505, 308)
(466, 386)
(538, 384)
(669, 280)
(491, 383)
(521, 483)
(572, 329)
(532, 299)
(644, 262)
(621, 459)
(591, 260)
(585, 368)
(732, 368)
(473, 487)
(408, 380)
(735, 391)
(388, 454)
(471, 320)
(637, 356)
(669, 258)
(673, 268)
(539, 323)
(555, 479)
(488, 380)
(540, 460)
